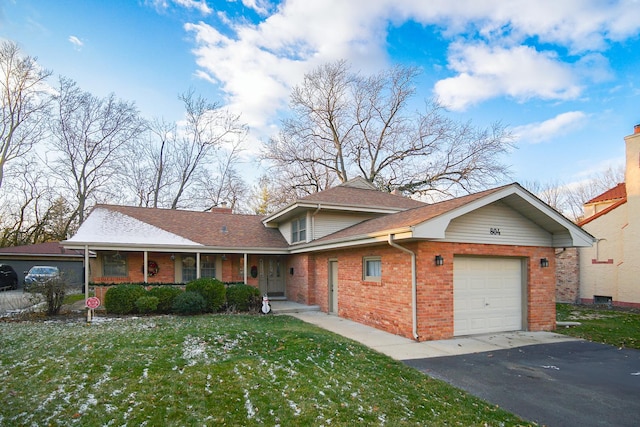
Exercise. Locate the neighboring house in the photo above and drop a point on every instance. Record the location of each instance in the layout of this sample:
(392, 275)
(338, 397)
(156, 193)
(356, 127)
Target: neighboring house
(68, 261)
(475, 264)
(610, 270)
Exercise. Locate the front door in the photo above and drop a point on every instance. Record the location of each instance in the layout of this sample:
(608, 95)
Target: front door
(333, 287)
(270, 276)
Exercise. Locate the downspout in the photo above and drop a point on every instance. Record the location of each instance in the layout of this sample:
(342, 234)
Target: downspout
(414, 287)
(313, 222)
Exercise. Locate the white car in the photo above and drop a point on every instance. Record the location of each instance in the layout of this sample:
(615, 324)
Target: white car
(40, 274)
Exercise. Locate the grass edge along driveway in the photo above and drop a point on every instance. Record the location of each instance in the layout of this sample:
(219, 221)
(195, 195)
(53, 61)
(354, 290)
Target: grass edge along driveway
(612, 326)
(216, 370)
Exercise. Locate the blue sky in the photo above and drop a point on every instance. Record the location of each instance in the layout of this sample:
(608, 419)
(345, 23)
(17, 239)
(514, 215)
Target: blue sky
(563, 75)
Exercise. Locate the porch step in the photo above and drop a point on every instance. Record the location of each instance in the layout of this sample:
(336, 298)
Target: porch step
(284, 307)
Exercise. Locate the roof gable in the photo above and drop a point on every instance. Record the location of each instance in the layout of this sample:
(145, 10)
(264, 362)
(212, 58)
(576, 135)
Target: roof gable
(431, 221)
(355, 195)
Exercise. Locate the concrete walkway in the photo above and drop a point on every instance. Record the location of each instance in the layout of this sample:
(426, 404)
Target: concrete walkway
(401, 348)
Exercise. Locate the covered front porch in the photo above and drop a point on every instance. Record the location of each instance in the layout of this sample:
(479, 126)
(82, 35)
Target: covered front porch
(267, 272)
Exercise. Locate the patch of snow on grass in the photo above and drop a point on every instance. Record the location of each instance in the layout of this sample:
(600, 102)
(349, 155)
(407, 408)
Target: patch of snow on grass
(194, 350)
(91, 401)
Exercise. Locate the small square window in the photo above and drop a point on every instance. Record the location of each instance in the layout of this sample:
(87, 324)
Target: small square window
(372, 269)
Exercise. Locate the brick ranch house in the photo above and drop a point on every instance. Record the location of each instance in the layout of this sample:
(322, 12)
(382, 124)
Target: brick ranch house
(474, 264)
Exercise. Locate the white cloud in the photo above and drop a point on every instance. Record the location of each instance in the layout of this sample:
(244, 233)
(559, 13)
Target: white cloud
(580, 25)
(76, 42)
(256, 64)
(260, 6)
(520, 72)
(259, 64)
(543, 131)
(199, 5)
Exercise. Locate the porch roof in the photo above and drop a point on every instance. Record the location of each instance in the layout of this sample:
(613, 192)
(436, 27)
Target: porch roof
(120, 226)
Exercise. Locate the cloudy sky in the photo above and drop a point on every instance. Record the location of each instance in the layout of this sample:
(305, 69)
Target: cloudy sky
(564, 75)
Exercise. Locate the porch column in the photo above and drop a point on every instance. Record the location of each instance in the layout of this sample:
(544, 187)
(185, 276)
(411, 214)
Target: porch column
(86, 272)
(197, 265)
(145, 266)
(246, 260)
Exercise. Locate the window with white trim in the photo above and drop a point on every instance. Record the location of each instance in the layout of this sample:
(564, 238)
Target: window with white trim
(208, 266)
(114, 264)
(371, 269)
(299, 230)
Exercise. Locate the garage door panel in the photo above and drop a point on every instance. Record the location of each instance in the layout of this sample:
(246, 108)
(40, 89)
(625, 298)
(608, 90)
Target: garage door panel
(487, 295)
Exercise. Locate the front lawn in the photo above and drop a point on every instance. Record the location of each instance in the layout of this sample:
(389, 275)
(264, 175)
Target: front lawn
(617, 327)
(216, 370)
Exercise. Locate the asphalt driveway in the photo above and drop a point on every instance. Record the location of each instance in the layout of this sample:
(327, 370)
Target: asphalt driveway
(576, 383)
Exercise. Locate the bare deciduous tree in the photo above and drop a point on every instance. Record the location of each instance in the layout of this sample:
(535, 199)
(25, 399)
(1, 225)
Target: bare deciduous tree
(347, 125)
(150, 177)
(89, 133)
(221, 184)
(569, 199)
(26, 207)
(24, 103)
(207, 127)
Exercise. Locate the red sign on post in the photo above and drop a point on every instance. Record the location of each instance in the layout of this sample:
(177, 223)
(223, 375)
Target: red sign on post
(93, 302)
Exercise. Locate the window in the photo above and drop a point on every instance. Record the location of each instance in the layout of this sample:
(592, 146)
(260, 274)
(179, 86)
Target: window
(114, 264)
(188, 269)
(299, 230)
(208, 266)
(371, 269)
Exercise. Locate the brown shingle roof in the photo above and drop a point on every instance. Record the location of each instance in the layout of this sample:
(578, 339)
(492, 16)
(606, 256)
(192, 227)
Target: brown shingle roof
(352, 196)
(406, 218)
(615, 193)
(208, 228)
(48, 249)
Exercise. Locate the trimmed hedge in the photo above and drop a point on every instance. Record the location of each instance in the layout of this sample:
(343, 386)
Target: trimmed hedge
(166, 296)
(189, 302)
(122, 299)
(147, 304)
(241, 297)
(212, 290)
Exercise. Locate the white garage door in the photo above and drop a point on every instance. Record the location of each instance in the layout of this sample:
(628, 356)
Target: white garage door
(487, 295)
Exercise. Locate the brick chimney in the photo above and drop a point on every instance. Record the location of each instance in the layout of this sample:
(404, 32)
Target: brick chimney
(222, 210)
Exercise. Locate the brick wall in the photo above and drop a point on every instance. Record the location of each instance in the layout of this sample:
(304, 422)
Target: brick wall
(387, 304)
(298, 282)
(567, 275)
(135, 263)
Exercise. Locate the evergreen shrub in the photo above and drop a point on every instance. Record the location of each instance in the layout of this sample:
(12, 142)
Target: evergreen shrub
(122, 299)
(212, 290)
(188, 303)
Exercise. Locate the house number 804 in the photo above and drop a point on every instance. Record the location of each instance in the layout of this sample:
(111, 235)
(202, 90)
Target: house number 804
(494, 231)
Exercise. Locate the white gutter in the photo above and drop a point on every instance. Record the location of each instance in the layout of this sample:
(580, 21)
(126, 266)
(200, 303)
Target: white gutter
(313, 223)
(414, 287)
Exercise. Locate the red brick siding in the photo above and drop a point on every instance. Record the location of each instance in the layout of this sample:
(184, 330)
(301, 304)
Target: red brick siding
(387, 304)
(135, 263)
(298, 282)
(567, 275)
